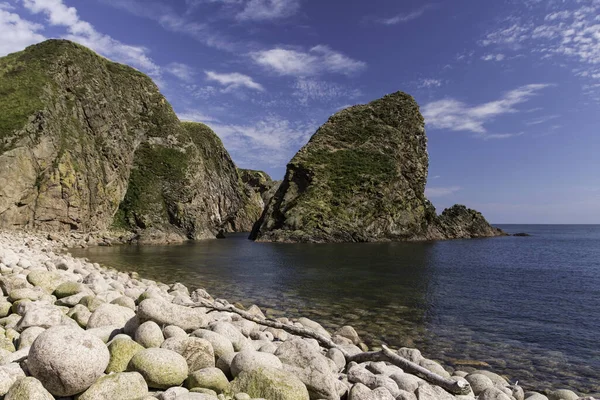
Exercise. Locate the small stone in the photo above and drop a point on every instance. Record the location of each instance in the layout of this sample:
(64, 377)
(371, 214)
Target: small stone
(122, 386)
(28, 388)
(121, 352)
(9, 374)
(29, 335)
(197, 352)
(272, 384)
(349, 333)
(67, 289)
(124, 301)
(493, 394)
(248, 360)
(563, 394)
(174, 331)
(479, 383)
(221, 344)
(163, 313)
(173, 393)
(209, 378)
(47, 280)
(110, 315)
(161, 368)
(149, 335)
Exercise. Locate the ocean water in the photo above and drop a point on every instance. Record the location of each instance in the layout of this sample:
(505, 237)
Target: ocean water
(527, 307)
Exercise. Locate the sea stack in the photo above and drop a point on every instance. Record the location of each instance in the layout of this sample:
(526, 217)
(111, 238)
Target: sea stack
(361, 178)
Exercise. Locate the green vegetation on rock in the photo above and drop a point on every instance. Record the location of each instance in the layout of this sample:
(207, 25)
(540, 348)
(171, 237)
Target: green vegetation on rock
(360, 178)
(88, 144)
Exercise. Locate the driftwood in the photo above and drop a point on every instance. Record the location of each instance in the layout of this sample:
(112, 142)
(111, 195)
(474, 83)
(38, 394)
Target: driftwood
(452, 386)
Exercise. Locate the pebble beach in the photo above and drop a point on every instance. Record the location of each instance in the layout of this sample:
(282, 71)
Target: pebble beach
(72, 329)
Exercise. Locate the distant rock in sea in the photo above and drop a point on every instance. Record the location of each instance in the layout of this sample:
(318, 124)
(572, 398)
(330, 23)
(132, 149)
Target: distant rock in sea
(87, 144)
(522, 234)
(361, 178)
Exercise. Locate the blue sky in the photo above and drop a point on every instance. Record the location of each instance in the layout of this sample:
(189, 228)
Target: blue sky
(510, 88)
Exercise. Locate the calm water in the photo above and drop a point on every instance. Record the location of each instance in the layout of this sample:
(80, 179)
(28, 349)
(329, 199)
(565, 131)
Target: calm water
(527, 306)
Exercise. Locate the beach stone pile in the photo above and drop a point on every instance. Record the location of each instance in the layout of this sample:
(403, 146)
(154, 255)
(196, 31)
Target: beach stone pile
(71, 329)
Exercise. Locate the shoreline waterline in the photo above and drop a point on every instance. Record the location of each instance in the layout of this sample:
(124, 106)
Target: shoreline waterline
(19, 238)
(439, 298)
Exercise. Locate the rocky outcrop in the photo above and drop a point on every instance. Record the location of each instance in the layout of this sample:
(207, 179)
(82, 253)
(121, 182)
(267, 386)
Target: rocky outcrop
(87, 145)
(460, 222)
(259, 188)
(362, 178)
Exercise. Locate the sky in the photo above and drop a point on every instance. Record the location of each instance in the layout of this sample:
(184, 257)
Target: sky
(510, 89)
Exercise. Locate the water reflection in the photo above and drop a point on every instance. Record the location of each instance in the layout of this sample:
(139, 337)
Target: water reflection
(527, 306)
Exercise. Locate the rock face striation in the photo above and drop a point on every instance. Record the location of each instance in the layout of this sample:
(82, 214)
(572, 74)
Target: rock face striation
(87, 145)
(362, 178)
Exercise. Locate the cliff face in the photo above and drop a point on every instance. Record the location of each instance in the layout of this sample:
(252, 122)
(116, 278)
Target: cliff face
(82, 138)
(362, 177)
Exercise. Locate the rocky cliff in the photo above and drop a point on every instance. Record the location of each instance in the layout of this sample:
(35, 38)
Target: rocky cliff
(87, 144)
(362, 178)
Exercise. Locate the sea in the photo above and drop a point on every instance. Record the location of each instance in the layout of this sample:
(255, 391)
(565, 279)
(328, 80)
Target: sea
(525, 307)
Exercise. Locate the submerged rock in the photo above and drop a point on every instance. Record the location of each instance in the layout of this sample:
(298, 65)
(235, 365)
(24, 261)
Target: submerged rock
(361, 178)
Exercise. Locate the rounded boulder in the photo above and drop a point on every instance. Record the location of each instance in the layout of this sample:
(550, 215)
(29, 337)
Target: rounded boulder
(67, 360)
(161, 368)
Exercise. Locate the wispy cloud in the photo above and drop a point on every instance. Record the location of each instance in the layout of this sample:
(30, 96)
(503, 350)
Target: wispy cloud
(405, 17)
(541, 120)
(6, 6)
(307, 90)
(261, 10)
(455, 115)
(318, 60)
(196, 116)
(441, 191)
(17, 33)
(58, 14)
(233, 80)
(568, 33)
(493, 57)
(429, 83)
(273, 139)
(171, 20)
(181, 71)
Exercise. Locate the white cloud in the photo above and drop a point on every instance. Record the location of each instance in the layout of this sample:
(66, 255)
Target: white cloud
(405, 17)
(234, 80)
(570, 35)
(261, 10)
(181, 71)
(429, 83)
(273, 140)
(319, 59)
(441, 191)
(172, 21)
(541, 120)
(17, 33)
(511, 36)
(6, 6)
(196, 116)
(306, 90)
(455, 115)
(493, 57)
(58, 14)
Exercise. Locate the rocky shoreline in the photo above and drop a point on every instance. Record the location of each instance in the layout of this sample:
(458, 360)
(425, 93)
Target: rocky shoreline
(72, 329)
